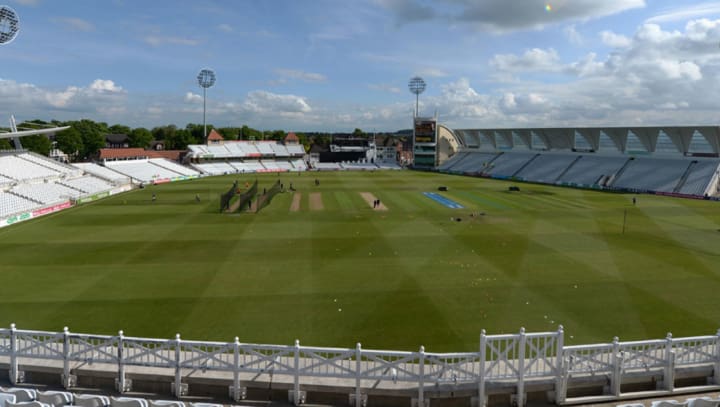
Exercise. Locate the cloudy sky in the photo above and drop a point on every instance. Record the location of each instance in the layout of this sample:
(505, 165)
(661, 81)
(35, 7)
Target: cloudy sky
(334, 65)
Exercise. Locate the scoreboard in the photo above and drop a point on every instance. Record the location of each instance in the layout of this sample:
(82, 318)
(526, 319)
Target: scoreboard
(424, 142)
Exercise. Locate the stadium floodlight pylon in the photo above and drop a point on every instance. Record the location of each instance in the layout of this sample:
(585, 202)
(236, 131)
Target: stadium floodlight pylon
(417, 86)
(206, 79)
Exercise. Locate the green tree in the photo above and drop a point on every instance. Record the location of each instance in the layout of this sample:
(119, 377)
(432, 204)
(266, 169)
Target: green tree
(278, 135)
(358, 133)
(92, 134)
(39, 143)
(229, 133)
(5, 144)
(69, 142)
(140, 137)
(119, 129)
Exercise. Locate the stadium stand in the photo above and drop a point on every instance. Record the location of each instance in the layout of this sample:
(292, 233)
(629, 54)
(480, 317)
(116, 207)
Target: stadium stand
(652, 174)
(46, 193)
(19, 169)
(51, 164)
(218, 151)
(295, 149)
(507, 164)
(11, 204)
(103, 172)
(265, 148)
(128, 402)
(699, 177)
(299, 165)
(91, 400)
(21, 395)
(6, 398)
(169, 165)
(87, 184)
(474, 163)
(166, 403)
(142, 170)
(589, 170)
(359, 166)
(55, 398)
(279, 150)
(26, 404)
(327, 166)
(546, 168)
(454, 160)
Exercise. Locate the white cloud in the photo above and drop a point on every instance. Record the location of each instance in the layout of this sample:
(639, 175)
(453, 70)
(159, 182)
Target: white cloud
(267, 103)
(226, 28)
(572, 34)
(75, 24)
(156, 40)
(611, 39)
(686, 12)
(192, 98)
(535, 59)
(301, 75)
(105, 85)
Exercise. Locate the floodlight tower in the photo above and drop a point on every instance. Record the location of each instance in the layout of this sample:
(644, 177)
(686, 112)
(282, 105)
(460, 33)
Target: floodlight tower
(206, 78)
(9, 24)
(416, 86)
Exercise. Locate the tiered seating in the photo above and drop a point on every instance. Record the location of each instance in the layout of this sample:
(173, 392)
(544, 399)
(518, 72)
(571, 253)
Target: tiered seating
(218, 168)
(235, 149)
(103, 172)
(295, 149)
(4, 181)
(87, 184)
(127, 402)
(218, 151)
(141, 170)
(508, 164)
(589, 169)
(253, 166)
(546, 168)
(474, 162)
(23, 170)
(21, 395)
(46, 193)
(250, 150)
(454, 160)
(48, 163)
(327, 166)
(180, 169)
(279, 150)
(299, 165)
(11, 204)
(55, 398)
(699, 178)
(652, 174)
(198, 149)
(359, 166)
(91, 400)
(265, 148)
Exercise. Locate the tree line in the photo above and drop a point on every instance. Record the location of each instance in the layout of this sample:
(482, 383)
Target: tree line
(83, 140)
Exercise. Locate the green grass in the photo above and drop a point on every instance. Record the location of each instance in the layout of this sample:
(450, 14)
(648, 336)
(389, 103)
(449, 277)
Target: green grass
(409, 276)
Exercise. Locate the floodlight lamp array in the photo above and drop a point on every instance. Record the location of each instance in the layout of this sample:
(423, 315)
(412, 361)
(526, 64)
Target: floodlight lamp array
(206, 78)
(9, 24)
(416, 85)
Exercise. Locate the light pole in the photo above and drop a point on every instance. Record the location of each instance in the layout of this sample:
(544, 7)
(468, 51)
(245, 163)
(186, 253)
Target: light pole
(206, 78)
(416, 86)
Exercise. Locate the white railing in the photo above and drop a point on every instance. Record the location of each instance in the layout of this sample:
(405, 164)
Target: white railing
(508, 358)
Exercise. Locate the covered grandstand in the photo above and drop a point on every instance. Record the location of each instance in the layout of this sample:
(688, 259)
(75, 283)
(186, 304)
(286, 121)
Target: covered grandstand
(681, 161)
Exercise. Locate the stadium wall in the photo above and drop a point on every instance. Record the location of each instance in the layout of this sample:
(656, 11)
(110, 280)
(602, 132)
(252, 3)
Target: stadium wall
(508, 369)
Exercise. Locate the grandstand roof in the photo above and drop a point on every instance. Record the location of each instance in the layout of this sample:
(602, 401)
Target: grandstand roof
(682, 140)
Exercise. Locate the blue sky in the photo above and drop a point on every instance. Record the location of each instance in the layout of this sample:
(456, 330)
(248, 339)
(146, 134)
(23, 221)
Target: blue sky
(333, 65)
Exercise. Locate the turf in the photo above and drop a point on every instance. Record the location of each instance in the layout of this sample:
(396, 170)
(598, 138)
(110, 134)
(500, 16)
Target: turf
(396, 279)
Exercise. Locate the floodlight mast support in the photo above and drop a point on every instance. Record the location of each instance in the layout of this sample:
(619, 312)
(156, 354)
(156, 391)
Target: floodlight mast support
(204, 123)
